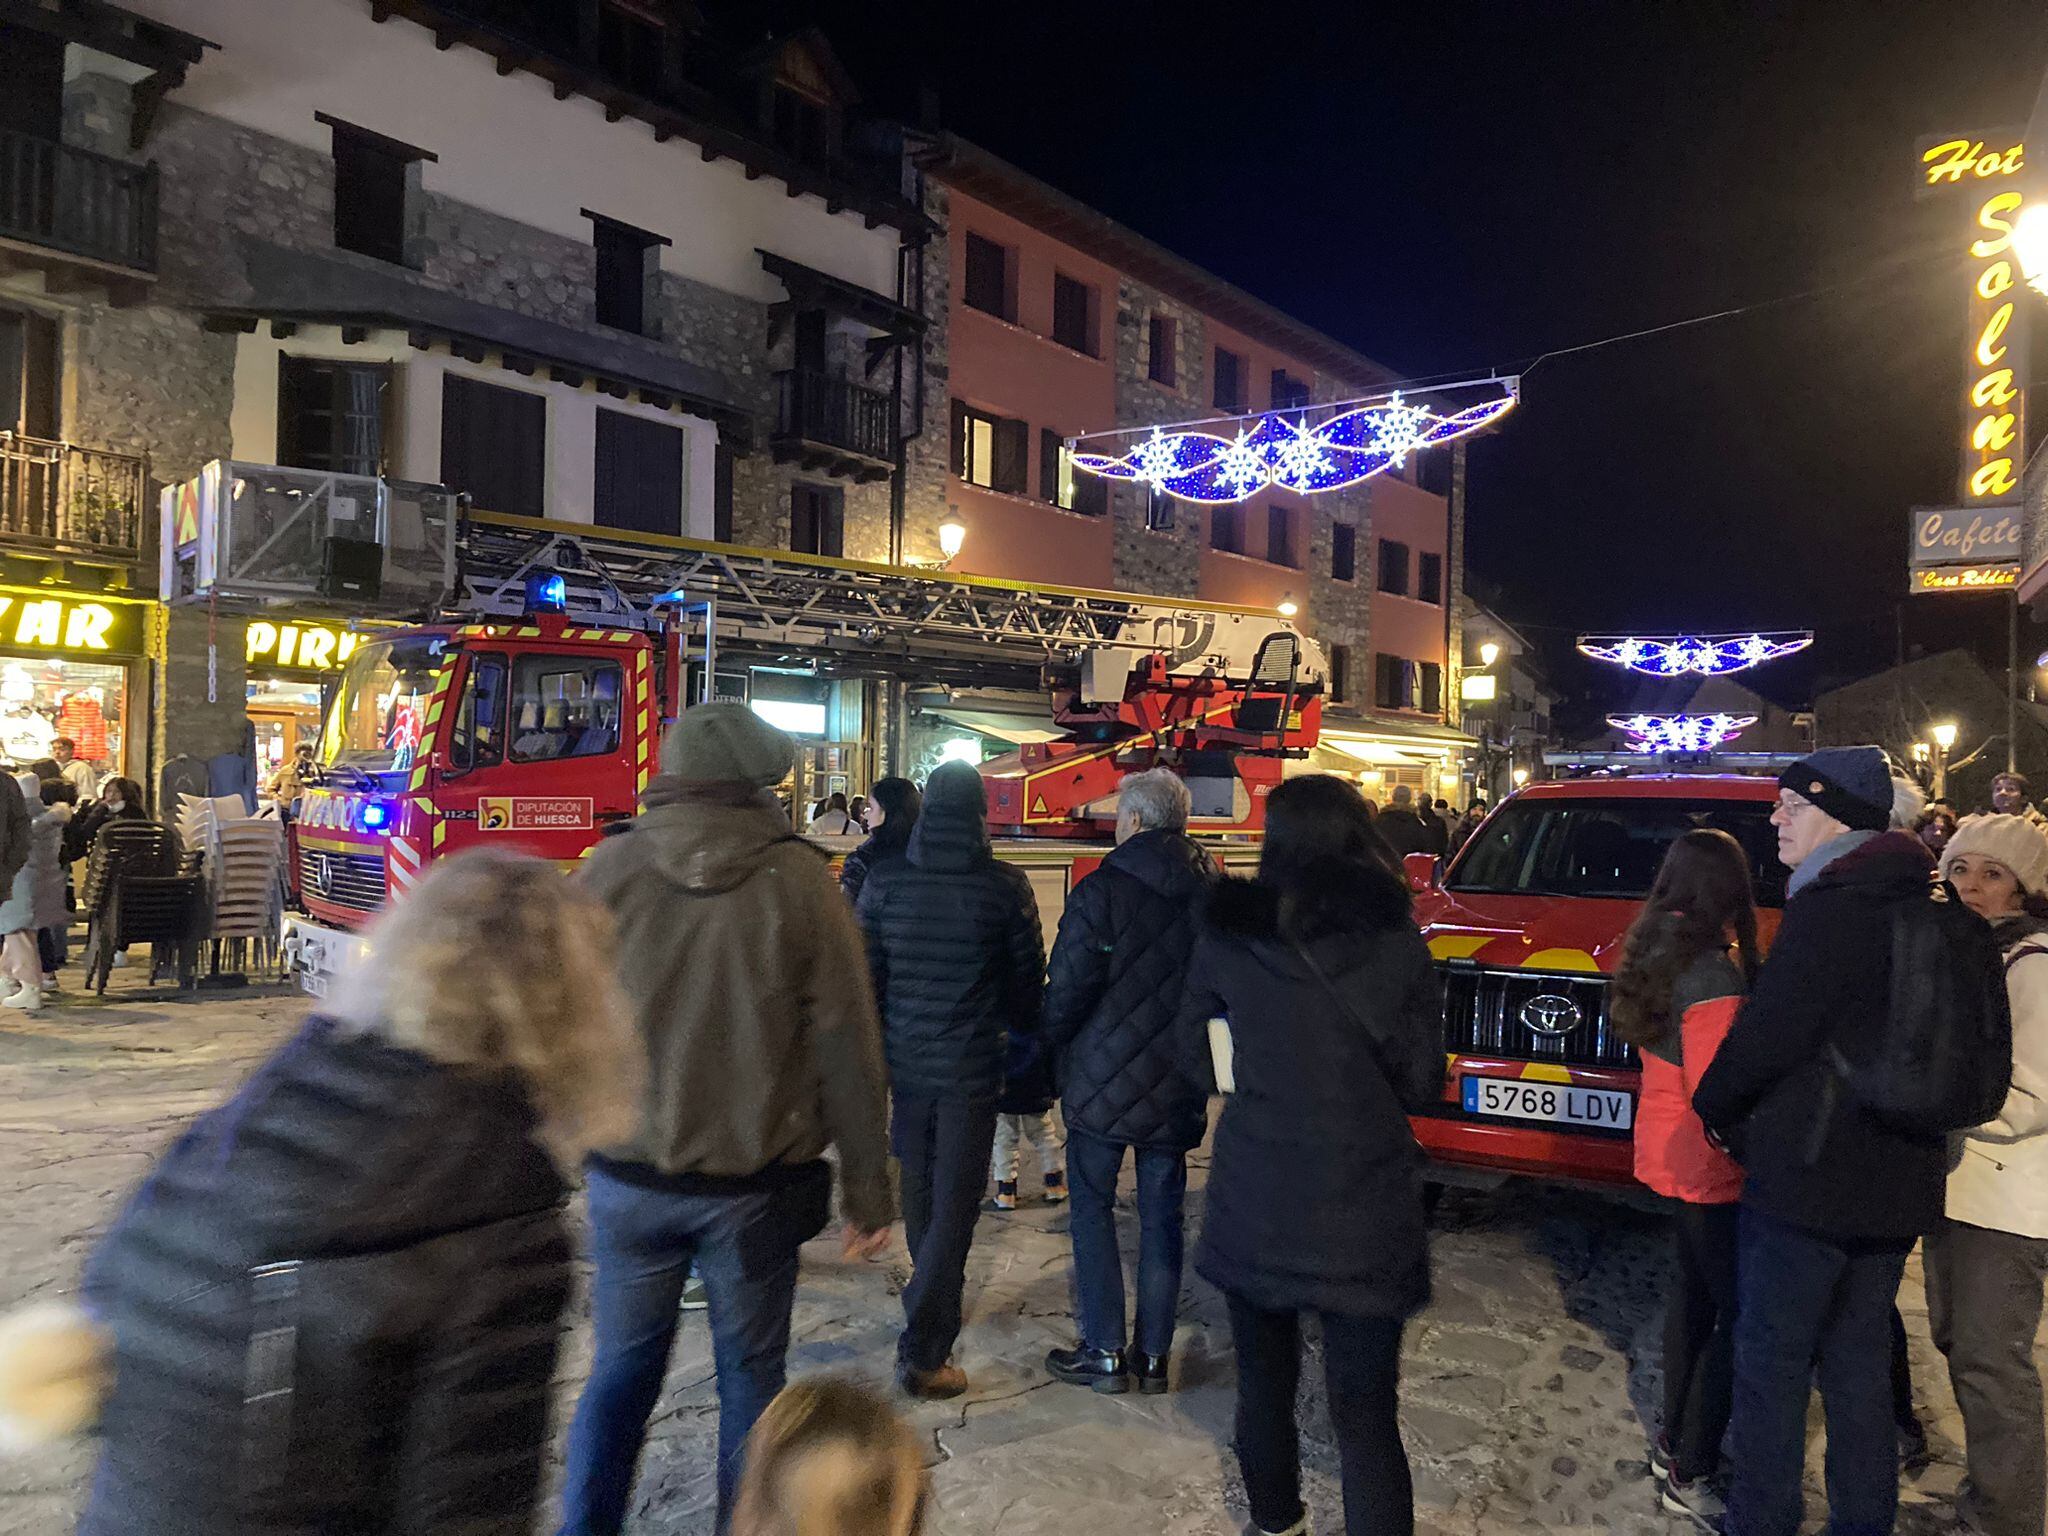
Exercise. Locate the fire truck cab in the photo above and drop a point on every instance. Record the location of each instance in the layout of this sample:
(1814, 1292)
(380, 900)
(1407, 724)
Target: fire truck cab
(533, 736)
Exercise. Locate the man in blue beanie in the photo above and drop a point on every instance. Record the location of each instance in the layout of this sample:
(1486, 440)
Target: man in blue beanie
(1834, 1199)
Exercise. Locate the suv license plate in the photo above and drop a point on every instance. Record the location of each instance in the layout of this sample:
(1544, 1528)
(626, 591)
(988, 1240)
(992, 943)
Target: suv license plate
(1556, 1103)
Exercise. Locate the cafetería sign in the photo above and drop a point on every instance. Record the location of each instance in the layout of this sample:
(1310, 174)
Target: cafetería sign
(1965, 578)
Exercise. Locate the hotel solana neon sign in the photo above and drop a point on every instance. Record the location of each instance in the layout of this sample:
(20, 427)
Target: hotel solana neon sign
(1994, 430)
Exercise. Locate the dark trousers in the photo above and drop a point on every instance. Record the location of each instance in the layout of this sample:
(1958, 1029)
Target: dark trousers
(944, 1146)
(1699, 1338)
(1362, 1367)
(645, 1241)
(1983, 1307)
(1092, 1169)
(1902, 1378)
(1809, 1303)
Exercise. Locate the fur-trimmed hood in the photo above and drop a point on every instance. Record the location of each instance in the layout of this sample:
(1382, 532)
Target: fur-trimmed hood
(1343, 896)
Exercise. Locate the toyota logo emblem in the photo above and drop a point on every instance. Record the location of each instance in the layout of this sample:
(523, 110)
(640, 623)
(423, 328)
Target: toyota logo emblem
(1551, 1016)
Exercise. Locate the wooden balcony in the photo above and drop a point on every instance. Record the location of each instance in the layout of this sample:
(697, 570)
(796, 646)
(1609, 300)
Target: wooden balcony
(833, 426)
(67, 500)
(85, 220)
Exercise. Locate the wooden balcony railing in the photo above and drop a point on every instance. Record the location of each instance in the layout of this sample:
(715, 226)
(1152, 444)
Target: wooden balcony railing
(77, 202)
(819, 409)
(63, 497)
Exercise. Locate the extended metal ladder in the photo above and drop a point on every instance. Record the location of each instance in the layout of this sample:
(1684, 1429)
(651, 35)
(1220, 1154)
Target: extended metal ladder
(848, 618)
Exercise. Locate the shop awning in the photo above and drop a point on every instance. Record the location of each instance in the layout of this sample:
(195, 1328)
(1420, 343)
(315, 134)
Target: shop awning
(1017, 728)
(1392, 730)
(1378, 753)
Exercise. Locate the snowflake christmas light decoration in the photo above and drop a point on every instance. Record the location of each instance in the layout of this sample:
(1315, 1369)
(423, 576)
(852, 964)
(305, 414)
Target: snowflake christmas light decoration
(1400, 429)
(1682, 734)
(1708, 656)
(1290, 451)
(1241, 467)
(1303, 459)
(1157, 459)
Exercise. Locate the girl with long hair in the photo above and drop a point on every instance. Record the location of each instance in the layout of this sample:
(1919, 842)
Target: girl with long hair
(1315, 1192)
(334, 1304)
(1685, 964)
(889, 817)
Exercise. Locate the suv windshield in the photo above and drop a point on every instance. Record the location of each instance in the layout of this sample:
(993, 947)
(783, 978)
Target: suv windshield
(380, 707)
(1607, 848)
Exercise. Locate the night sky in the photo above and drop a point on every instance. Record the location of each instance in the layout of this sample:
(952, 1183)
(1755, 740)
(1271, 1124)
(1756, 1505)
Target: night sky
(1463, 187)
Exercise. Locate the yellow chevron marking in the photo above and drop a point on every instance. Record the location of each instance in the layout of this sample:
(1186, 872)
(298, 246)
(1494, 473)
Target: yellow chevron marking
(440, 834)
(1562, 960)
(1459, 946)
(1545, 1072)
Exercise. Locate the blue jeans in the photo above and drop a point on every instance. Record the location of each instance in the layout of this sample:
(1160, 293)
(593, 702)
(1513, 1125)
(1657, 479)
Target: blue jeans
(1092, 1168)
(645, 1241)
(1808, 1302)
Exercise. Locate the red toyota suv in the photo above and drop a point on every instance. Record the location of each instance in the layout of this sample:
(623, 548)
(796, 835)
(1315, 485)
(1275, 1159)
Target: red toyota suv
(1526, 925)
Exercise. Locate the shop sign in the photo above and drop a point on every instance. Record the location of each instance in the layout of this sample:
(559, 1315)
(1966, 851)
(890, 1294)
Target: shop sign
(522, 813)
(299, 647)
(77, 625)
(1994, 424)
(1965, 578)
(1477, 687)
(1963, 536)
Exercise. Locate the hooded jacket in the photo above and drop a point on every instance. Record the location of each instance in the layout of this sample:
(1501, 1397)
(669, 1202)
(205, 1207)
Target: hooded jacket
(334, 1306)
(1114, 990)
(2000, 1178)
(1315, 1189)
(1841, 1173)
(1405, 831)
(36, 899)
(746, 974)
(954, 947)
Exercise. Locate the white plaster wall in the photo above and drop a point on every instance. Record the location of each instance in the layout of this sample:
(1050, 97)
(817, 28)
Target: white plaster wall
(505, 144)
(415, 454)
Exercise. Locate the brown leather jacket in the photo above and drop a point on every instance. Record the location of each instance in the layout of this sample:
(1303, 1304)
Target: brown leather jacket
(752, 989)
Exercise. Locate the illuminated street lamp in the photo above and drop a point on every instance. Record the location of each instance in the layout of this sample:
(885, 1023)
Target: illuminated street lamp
(1521, 777)
(1489, 653)
(1944, 736)
(952, 536)
(1288, 606)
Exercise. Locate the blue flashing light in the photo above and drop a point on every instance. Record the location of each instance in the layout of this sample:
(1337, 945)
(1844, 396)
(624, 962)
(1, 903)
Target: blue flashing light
(376, 816)
(547, 593)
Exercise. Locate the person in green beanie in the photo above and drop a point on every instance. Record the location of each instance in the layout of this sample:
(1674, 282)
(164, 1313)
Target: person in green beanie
(749, 980)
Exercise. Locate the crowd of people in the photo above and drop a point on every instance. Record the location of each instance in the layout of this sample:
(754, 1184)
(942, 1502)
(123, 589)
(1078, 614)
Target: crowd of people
(335, 1303)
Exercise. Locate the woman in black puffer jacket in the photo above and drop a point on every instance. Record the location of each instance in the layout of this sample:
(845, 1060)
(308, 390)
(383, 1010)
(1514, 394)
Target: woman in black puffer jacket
(334, 1304)
(890, 818)
(1315, 1193)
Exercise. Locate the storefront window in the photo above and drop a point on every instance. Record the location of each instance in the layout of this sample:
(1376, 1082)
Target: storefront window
(380, 709)
(44, 697)
(283, 714)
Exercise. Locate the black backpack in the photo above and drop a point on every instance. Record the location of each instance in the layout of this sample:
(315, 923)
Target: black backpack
(1944, 1060)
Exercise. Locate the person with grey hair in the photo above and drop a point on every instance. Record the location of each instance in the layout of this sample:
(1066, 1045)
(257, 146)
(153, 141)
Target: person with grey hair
(1110, 1001)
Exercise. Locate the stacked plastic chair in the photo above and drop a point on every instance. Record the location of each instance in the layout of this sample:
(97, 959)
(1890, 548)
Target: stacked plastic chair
(134, 894)
(239, 859)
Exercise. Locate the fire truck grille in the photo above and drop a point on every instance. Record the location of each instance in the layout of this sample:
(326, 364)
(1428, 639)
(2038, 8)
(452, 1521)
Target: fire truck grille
(1532, 1017)
(354, 880)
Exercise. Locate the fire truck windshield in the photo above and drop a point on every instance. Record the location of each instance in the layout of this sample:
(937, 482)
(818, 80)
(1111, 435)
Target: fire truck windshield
(379, 711)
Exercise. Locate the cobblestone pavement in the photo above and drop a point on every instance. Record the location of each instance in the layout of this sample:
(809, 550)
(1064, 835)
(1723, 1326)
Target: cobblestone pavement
(1528, 1381)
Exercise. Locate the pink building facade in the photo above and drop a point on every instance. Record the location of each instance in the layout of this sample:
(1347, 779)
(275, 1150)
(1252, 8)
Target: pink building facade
(1049, 321)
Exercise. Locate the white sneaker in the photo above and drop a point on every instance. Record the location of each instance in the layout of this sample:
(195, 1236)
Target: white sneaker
(27, 999)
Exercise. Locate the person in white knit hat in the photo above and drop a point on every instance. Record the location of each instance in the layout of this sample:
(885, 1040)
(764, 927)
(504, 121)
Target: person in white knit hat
(1986, 1263)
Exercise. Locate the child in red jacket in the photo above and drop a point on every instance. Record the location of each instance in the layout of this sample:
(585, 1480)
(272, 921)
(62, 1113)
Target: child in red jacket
(1674, 997)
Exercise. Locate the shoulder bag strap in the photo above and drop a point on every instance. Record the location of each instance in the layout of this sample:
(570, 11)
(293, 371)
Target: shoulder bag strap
(1358, 1021)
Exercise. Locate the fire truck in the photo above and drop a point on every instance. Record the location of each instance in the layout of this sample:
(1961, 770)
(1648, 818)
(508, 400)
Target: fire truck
(527, 712)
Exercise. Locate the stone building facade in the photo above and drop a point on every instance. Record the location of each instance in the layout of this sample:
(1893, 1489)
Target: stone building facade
(178, 361)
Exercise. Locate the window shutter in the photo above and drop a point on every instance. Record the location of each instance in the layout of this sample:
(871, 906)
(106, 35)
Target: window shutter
(1013, 440)
(1091, 494)
(960, 436)
(1048, 465)
(639, 481)
(494, 445)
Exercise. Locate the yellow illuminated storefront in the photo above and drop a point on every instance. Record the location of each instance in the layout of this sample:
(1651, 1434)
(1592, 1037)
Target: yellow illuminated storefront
(293, 665)
(71, 666)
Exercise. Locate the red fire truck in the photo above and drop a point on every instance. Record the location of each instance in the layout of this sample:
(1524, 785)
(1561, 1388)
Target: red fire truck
(533, 720)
